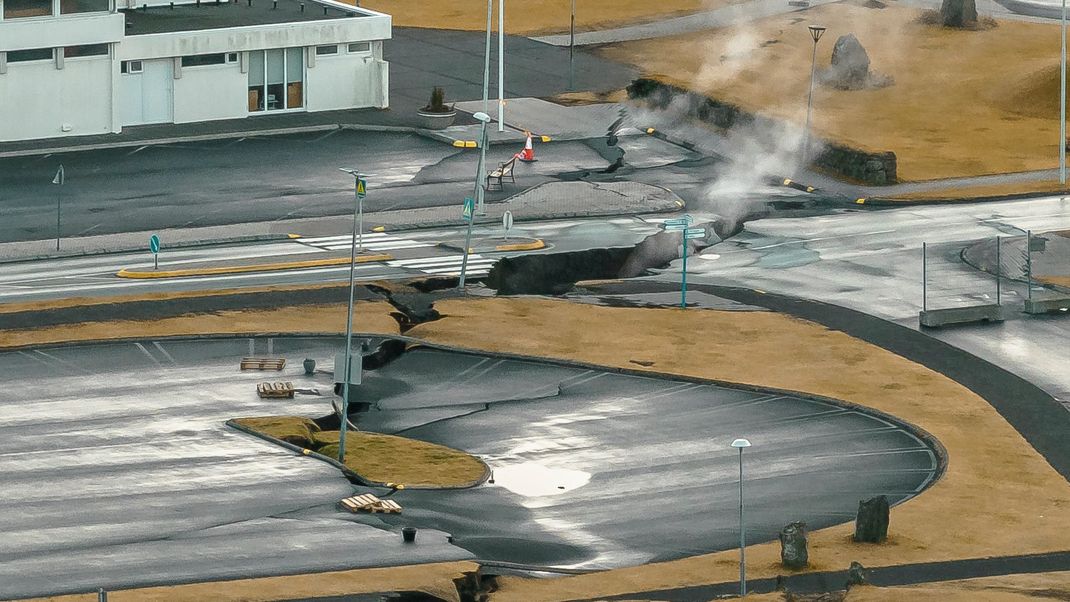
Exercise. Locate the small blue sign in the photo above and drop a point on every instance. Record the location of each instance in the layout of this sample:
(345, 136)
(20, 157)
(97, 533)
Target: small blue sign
(154, 244)
(469, 208)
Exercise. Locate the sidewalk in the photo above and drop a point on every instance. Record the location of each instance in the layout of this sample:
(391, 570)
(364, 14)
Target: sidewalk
(553, 200)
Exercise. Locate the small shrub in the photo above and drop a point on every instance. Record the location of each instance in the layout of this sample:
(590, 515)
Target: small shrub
(437, 104)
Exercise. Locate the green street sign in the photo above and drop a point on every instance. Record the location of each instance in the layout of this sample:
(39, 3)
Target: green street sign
(362, 188)
(154, 243)
(469, 208)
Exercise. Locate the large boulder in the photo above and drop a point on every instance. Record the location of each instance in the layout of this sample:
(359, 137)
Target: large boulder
(849, 69)
(871, 523)
(793, 552)
(958, 13)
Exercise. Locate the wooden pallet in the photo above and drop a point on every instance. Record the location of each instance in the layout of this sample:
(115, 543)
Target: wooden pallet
(367, 502)
(262, 363)
(282, 390)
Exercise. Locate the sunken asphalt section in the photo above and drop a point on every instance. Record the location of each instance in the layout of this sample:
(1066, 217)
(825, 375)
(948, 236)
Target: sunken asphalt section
(584, 463)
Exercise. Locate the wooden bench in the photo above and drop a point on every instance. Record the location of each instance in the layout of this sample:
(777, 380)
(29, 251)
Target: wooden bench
(505, 170)
(367, 502)
(262, 363)
(282, 390)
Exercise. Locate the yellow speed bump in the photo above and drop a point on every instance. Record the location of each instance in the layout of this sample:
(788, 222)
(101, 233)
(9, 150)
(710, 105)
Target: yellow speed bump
(860, 201)
(522, 246)
(650, 130)
(242, 269)
(465, 143)
(544, 138)
(379, 229)
(787, 181)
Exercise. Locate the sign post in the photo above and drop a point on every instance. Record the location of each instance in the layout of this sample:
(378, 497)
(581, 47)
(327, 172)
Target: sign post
(154, 246)
(507, 223)
(60, 179)
(466, 213)
(362, 191)
(683, 225)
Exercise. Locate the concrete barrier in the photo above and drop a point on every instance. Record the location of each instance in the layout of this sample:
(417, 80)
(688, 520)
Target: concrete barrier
(1047, 306)
(934, 318)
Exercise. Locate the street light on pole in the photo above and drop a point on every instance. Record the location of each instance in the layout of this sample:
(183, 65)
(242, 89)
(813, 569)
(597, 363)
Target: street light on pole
(486, 58)
(59, 180)
(815, 33)
(501, 65)
(740, 444)
(484, 119)
(571, 44)
(358, 199)
(1062, 104)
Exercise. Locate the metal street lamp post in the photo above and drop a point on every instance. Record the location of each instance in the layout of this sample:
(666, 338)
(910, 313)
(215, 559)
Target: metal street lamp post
(1062, 103)
(486, 57)
(740, 444)
(815, 33)
(59, 180)
(571, 44)
(485, 119)
(501, 65)
(358, 198)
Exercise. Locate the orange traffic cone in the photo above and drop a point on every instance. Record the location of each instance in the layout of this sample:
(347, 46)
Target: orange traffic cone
(528, 154)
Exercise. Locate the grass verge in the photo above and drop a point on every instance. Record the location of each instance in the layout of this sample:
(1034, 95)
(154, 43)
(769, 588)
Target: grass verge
(378, 458)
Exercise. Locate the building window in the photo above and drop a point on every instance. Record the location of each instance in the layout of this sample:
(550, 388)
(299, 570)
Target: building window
(322, 50)
(73, 52)
(232, 57)
(17, 9)
(200, 60)
(22, 56)
(132, 67)
(69, 7)
(360, 47)
(276, 79)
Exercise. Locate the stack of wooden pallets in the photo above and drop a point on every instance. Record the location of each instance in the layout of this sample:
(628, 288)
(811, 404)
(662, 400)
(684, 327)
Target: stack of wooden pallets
(367, 502)
(283, 390)
(263, 363)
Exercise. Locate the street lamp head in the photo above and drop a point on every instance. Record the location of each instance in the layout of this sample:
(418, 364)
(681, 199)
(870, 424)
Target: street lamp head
(351, 172)
(481, 116)
(741, 443)
(816, 32)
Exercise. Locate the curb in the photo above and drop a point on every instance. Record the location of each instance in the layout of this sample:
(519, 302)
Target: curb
(353, 476)
(175, 245)
(241, 269)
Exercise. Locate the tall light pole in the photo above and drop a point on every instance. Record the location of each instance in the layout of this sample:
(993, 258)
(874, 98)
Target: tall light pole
(486, 57)
(571, 44)
(485, 119)
(815, 33)
(501, 65)
(740, 444)
(347, 372)
(59, 180)
(1062, 104)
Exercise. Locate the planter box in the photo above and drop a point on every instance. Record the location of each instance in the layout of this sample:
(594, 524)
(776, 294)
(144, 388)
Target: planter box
(437, 121)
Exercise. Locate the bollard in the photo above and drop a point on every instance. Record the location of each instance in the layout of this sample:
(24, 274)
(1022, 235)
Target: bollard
(102, 596)
(408, 534)
(310, 366)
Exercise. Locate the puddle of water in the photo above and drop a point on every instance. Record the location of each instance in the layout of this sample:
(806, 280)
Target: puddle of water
(532, 479)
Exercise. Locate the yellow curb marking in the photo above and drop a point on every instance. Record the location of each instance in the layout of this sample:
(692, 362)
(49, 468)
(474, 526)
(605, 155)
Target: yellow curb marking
(809, 189)
(240, 269)
(787, 182)
(293, 236)
(523, 246)
(465, 143)
(650, 130)
(678, 203)
(379, 229)
(545, 138)
(860, 202)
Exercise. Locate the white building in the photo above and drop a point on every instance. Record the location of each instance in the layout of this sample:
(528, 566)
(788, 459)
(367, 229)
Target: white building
(80, 67)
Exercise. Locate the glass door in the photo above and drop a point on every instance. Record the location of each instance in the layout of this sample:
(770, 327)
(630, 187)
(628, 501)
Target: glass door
(276, 79)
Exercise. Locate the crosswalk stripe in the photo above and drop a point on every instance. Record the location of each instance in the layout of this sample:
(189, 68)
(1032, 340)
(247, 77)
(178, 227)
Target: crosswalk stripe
(383, 246)
(457, 270)
(437, 260)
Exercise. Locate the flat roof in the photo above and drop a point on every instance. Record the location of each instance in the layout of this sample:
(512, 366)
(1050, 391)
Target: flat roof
(218, 15)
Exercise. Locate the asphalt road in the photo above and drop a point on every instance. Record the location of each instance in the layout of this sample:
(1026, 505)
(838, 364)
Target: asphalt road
(119, 471)
(417, 253)
(872, 262)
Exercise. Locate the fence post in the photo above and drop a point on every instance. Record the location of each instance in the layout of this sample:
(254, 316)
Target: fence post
(924, 279)
(999, 272)
(102, 596)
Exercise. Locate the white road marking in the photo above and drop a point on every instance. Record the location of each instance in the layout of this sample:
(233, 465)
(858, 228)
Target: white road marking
(146, 352)
(157, 345)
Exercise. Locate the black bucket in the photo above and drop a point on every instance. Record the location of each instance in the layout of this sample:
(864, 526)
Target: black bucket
(408, 534)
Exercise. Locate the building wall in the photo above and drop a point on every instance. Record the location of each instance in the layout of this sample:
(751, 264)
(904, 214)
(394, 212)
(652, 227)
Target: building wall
(211, 92)
(344, 81)
(37, 100)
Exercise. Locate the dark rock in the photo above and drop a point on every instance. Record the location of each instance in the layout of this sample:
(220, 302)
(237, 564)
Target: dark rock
(856, 575)
(958, 13)
(554, 273)
(793, 552)
(849, 69)
(871, 523)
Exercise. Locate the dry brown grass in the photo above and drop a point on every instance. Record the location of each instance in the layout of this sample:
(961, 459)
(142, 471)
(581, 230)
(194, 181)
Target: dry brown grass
(374, 317)
(1018, 503)
(535, 16)
(963, 103)
(968, 193)
(380, 458)
(1007, 588)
